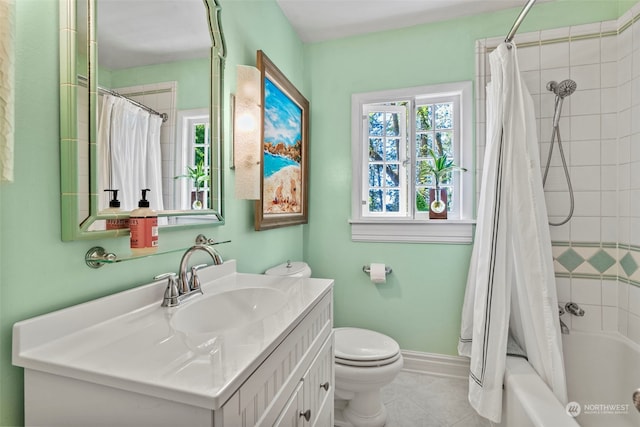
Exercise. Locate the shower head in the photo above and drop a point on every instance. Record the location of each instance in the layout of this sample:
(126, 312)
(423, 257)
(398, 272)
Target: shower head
(562, 89)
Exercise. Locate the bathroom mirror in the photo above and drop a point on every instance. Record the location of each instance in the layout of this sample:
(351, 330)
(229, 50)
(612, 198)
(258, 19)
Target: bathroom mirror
(140, 107)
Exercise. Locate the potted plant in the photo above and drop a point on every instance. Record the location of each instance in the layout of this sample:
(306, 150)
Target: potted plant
(440, 168)
(199, 177)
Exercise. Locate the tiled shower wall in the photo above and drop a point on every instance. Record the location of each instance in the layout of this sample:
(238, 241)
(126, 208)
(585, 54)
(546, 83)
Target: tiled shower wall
(597, 252)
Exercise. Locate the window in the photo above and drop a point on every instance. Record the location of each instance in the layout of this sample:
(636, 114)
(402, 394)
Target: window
(393, 132)
(193, 162)
(385, 127)
(199, 134)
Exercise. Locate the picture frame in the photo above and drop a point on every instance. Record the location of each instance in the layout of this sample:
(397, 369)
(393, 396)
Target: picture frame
(284, 159)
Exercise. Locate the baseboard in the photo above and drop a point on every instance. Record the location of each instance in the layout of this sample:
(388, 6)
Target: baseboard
(436, 364)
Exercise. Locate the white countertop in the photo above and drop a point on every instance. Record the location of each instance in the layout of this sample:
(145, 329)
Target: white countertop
(125, 340)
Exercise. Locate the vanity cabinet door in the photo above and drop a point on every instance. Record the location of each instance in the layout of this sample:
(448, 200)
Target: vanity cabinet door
(318, 386)
(325, 414)
(290, 415)
(263, 396)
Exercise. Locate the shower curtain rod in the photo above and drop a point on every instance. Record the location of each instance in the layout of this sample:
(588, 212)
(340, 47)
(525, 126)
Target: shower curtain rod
(518, 21)
(164, 116)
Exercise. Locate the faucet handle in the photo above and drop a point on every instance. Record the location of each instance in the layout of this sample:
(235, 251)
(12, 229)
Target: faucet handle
(171, 293)
(194, 283)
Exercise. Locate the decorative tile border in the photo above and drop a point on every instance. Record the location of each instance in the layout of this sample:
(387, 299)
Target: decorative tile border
(596, 260)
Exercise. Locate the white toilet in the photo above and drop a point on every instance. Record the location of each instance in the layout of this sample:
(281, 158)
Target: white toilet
(365, 361)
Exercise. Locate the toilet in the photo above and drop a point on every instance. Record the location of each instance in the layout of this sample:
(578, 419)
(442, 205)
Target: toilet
(365, 361)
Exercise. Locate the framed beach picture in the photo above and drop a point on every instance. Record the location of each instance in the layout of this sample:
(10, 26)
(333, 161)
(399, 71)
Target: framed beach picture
(285, 151)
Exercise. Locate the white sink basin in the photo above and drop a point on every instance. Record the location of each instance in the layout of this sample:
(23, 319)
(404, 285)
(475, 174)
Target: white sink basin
(228, 310)
(204, 323)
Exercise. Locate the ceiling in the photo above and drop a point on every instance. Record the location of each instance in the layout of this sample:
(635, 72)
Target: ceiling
(133, 33)
(318, 20)
(143, 32)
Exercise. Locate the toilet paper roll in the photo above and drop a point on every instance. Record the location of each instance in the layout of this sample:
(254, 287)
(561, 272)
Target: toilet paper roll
(377, 272)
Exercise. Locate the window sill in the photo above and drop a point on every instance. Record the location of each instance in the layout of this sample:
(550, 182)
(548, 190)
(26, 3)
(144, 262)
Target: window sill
(412, 231)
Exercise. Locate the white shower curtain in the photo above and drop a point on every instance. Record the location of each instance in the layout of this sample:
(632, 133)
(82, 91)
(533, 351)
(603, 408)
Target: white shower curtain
(511, 285)
(129, 152)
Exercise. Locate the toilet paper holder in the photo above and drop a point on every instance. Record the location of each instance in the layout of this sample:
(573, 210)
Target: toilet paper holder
(367, 269)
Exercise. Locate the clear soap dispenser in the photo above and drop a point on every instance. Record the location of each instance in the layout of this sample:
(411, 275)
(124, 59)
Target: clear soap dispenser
(143, 224)
(114, 209)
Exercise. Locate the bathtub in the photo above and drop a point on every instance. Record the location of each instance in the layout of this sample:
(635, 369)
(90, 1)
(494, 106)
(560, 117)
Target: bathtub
(603, 371)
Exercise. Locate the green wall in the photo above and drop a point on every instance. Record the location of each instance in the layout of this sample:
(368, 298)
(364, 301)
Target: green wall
(420, 303)
(190, 76)
(38, 272)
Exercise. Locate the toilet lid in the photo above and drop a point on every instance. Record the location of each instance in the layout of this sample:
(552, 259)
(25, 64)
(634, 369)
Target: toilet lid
(363, 345)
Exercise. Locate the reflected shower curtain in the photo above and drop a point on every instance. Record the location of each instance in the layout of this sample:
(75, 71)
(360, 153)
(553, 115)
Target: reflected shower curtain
(511, 285)
(129, 153)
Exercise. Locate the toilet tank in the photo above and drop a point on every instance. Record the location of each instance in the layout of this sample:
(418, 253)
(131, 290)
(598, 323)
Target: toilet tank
(290, 269)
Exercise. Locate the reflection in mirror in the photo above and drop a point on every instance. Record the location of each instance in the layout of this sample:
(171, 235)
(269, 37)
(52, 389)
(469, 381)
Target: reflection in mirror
(147, 57)
(148, 99)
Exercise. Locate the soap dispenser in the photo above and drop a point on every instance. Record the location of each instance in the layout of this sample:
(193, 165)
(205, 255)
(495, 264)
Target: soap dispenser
(114, 209)
(143, 224)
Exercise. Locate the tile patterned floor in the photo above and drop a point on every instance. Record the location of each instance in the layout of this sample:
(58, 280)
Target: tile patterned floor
(421, 400)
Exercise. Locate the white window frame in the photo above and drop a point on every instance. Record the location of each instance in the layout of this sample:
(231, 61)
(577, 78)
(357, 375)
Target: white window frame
(411, 226)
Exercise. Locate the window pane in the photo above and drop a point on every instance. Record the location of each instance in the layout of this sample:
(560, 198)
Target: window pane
(449, 198)
(376, 149)
(393, 124)
(424, 141)
(422, 177)
(199, 156)
(393, 147)
(392, 201)
(444, 116)
(375, 200)
(375, 175)
(424, 118)
(446, 179)
(422, 200)
(393, 176)
(375, 123)
(445, 140)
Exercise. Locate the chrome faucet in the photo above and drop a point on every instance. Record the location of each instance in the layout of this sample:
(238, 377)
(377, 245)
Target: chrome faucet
(180, 287)
(574, 309)
(185, 285)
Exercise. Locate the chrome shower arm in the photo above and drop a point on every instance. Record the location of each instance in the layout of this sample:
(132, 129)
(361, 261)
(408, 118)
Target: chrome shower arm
(519, 19)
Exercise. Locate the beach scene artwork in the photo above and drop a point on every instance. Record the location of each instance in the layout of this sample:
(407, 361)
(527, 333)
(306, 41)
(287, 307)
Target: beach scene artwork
(282, 146)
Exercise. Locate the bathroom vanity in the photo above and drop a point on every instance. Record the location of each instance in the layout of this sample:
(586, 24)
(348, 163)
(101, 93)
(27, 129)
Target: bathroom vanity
(265, 359)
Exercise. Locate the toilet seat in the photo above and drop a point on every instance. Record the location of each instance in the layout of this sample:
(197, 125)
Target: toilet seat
(367, 364)
(364, 348)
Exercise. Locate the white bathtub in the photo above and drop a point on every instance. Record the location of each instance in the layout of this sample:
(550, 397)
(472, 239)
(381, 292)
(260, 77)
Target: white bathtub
(603, 371)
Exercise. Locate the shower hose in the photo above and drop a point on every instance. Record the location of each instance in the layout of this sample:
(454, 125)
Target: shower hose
(556, 135)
